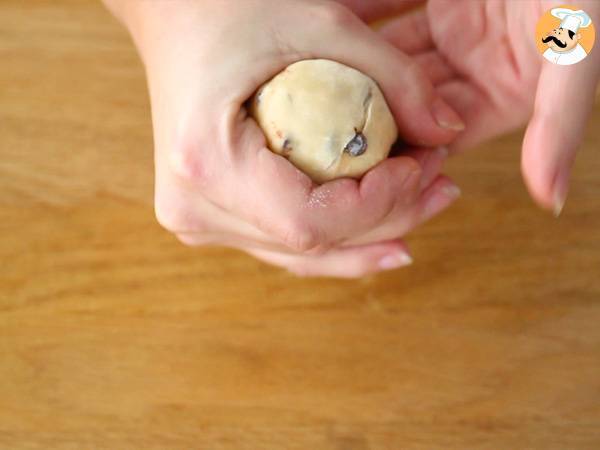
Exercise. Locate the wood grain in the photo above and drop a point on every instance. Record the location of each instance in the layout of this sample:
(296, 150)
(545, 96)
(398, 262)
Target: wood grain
(115, 336)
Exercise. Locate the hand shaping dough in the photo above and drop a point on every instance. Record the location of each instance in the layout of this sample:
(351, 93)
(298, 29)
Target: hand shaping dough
(328, 119)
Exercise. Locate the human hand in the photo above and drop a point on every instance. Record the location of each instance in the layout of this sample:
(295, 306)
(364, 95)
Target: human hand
(482, 58)
(216, 181)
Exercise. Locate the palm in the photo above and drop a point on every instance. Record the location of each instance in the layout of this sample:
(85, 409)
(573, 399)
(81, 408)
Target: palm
(481, 57)
(488, 64)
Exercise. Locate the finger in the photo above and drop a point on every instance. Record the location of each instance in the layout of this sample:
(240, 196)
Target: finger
(438, 197)
(271, 194)
(349, 262)
(194, 239)
(373, 10)
(409, 33)
(564, 101)
(435, 66)
(311, 218)
(401, 220)
(483, 119)
(195, 221)
(278, 199)
(423, 117)
(431, 162)
(434, 199)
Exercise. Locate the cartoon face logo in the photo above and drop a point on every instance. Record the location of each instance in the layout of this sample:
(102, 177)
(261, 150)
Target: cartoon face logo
(563, 35)
(561, 40)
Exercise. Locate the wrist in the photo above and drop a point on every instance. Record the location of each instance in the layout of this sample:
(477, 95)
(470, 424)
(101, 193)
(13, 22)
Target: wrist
(146, 20)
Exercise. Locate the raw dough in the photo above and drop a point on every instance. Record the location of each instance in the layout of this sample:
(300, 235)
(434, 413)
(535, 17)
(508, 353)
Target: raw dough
(328, 119)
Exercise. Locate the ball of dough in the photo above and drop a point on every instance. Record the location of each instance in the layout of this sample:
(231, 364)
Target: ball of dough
(328, 119)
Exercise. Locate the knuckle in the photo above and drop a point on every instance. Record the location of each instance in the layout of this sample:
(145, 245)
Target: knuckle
(336, 14)
(301, 237)
(178, 217)
(187, 161)
(165, 217)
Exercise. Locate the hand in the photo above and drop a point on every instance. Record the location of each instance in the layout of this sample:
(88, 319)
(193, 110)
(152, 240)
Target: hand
(217, 183)
(482, 59)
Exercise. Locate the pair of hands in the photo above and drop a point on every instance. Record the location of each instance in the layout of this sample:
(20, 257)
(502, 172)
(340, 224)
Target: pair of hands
(217, 183)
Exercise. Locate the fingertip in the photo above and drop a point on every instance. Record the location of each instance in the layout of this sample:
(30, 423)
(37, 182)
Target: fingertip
(539, 189)
(560, 190)
(372, 258)
(430, 124)
(431, 162)
(423, 117)
(392, 175)
(396, 258)
(445, 116)
(537, 168)
(549, 194)
(442, 193)
(442, 152)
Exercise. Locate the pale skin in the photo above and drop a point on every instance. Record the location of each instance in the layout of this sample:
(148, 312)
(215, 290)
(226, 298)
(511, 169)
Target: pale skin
(493, 86)
(217, 183)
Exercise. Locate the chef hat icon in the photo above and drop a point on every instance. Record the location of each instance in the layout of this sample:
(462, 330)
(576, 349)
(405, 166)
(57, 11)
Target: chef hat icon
(572, 20)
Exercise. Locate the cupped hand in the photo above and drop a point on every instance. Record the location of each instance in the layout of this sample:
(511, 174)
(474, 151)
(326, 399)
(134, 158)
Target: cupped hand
(216, 181)
(482, 58)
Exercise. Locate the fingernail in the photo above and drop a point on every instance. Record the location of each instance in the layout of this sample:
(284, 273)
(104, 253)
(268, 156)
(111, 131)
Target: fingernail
(442, 152)
(395, 260)
(440, 199)
(561, 189)
(452, 191)
(446, 117)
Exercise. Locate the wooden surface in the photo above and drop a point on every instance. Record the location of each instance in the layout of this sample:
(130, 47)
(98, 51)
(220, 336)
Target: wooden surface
(115, 336)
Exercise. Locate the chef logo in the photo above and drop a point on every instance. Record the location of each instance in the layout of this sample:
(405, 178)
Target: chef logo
(565, 35)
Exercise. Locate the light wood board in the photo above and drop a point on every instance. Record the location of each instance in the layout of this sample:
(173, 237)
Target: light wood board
(115, 336)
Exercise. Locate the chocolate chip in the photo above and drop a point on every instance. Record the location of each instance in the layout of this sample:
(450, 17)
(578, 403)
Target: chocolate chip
(357, 146)
(287, 145)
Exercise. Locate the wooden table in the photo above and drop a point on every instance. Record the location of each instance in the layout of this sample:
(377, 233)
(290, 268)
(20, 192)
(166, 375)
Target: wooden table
(115, 336)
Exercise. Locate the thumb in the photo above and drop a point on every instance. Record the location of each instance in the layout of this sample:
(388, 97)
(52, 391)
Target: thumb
(563, 104)
(423, 117)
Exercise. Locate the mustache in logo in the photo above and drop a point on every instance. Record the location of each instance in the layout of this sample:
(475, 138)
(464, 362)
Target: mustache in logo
(556, 41)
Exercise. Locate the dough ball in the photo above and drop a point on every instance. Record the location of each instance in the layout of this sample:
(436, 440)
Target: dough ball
(328, 119)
